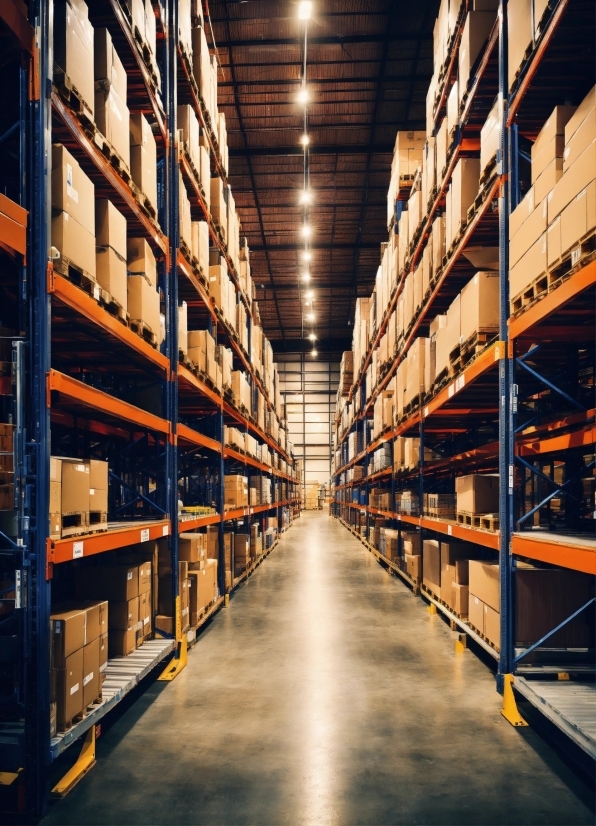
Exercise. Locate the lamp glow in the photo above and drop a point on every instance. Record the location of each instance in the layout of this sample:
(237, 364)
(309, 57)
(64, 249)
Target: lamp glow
(306, 256)
(310, 295)
(304, 10)
(304, 140)
(314, 353)
(312, 337)
(306, 197)
(303, 96)
(310, 317)
(306, 277)
(306, 231)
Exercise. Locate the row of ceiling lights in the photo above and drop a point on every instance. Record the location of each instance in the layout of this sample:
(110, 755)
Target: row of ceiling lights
(308, 315)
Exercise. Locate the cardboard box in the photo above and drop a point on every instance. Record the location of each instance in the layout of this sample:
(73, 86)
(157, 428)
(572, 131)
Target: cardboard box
(528, 268)
(414, 566)
(476, 612)
(587, 106)
(110, 271)
(189, 126)
(73, 47)
(55, 497)
(576, 178)
(580, 140)
(91, 688)
(578, 218)
(143, 157)
(75, 487)
(123, 615)
(55, 527)
(459, 598)
(122, 643)
(545, 154)
(553, 242)
(476, 30)
(140, 259)
(477, 493)
(67, 630)
(143, 302)
(492, 626)
(484, 582)
(553, 126)
(450, 553)
(103, 651)
(547, 179)
(73, 191)
(145, 613)
(108, 69)
(69, 689)
(145, 577)
(464, 188)
(533, 227)
(490, 136)
(111, 118)
(98, 486)
(191, 547)
(431, 565)
(118, 583)
(110, 227)
(519, 35)
(74, 242)
(479, 308)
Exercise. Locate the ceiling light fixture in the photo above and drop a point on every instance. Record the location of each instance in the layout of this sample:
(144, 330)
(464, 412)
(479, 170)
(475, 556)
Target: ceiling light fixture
(304, 140)
(306, 277)
(306, 231)
(312, 337)
(303, 95)
(310, 317)
(314, 353)
(306, 197)
(310, 295)
(306, 256)
(304, 10)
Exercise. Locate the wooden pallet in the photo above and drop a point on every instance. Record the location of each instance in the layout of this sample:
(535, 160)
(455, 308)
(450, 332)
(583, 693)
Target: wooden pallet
(482, 636)
(112, 156)
(144, 202)
(74, 524)
(575, 259)
(466, 352)
(489, 173)
(142, 329)
(489, 521)
(98, 521)
(80, 277)
(71, 95)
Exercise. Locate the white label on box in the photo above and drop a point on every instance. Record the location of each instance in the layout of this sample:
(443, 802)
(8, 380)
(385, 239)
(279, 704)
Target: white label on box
(91, 491)
(88, 678)
(460, 382)
(74, 689)
(575, 254)
(399, 516)
(96, 292)
(145, 535)
(449, 530)
(166, 530)
(129, 575)
(451, 391)
(70, 190)
(77, 550)
(146, 620)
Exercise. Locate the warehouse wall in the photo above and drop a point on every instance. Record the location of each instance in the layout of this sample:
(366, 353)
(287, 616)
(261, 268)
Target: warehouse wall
(309, 387)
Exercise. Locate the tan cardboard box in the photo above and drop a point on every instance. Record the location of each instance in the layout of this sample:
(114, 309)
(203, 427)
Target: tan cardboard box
(476, 612)
(122, 643)
(110, 227)
(110, 271)
(555, 125)
(464, 188)
(528, 268)
(141, 260)
(73, 47)
(553, 242)
(75, 487)
(144, 172)
(450, 553)
(69, 689)
(412, 542)
(123, 615)
(484, 582)
(98, 486)
(575, 179)
(431, 565)
(459, 598)
(479, 310)
(477, 28)
(548, 178)
(522, 212)
(477, 493)
(111, 118)
(143, 302)
(191, 547)
(103, 651)
(111, 582)
(490, 136)
(581, 112)
(414, 566)
(145, 577)
(67, 631)
(91, 689)
(492, 626)
(73, 191)
(55, 497)
(580, 140)
(533, 227)
(543, 155)
(578, 218)
(74, 242)
(519, 35)
(55, 527)
(108, 69)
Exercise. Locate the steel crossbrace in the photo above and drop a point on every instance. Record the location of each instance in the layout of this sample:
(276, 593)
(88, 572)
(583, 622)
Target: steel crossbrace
(548, 383)
(138, 496)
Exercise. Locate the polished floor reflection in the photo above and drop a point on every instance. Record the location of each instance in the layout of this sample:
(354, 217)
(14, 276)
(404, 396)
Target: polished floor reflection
(324, 694)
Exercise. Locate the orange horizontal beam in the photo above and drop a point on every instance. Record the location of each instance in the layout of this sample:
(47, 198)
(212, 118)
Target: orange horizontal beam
(199, 522)
(13, 234)
(82, 393)
(186, 269)
(65, 550)
(184, 374)
(229, 453)
(562, 552)
(78, 300)
(566, 292)
(566, 441)
(13, 15)
(187, 434)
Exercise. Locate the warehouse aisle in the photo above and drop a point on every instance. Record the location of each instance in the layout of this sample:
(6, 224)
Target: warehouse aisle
(325, 694)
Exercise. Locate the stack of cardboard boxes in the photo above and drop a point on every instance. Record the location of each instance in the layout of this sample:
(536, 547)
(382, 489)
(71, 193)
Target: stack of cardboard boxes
(235, 492)
(78, 496)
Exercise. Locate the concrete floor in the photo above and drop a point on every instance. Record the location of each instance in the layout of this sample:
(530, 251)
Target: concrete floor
(324, 694)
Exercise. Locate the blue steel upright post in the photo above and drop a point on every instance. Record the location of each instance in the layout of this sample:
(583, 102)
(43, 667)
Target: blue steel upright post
(505, 389)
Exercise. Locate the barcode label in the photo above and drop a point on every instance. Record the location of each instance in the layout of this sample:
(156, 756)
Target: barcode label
(166, 530)
(145, 535)
(77, 550)
(575, 255)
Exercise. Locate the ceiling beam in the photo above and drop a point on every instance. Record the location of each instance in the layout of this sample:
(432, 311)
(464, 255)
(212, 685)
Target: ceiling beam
(325, 40)
(314, 245)
(315, 81)
(331, 149)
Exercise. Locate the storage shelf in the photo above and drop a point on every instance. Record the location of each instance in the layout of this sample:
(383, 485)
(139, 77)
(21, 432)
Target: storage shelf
(103, 174)
(91, 315)
(570, 705)
(575, 552)
(118, 535)
(121, 676)
(188, 522)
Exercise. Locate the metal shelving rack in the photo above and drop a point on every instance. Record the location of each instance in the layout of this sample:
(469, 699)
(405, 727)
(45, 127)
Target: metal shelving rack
(77, 372)
(489, 392)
